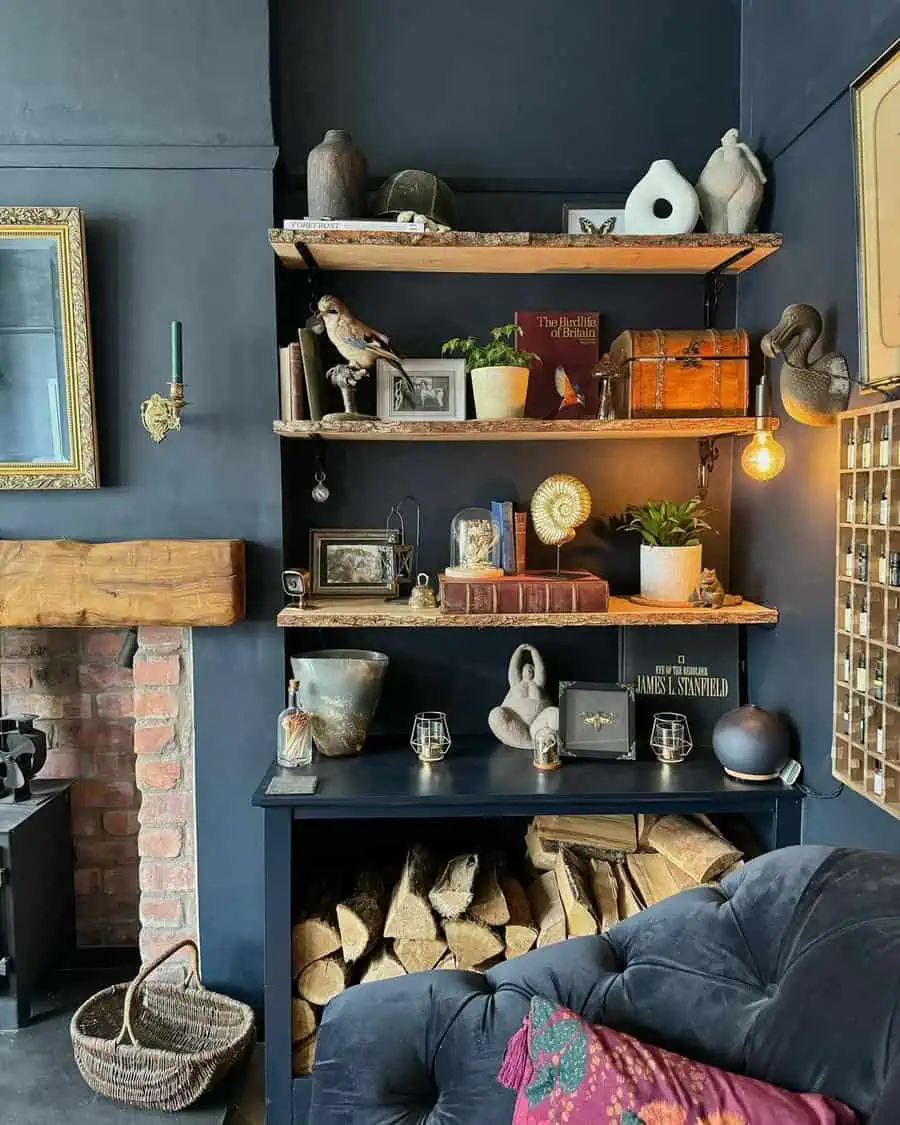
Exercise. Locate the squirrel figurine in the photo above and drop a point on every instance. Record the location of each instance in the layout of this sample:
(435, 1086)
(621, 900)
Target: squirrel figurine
(710, 593)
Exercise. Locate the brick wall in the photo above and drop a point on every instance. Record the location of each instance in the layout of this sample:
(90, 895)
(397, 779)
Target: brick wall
(164, 766)
(126, 737)
(70, 679)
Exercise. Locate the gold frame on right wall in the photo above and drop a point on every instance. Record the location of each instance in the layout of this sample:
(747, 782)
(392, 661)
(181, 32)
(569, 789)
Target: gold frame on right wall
(876, 120)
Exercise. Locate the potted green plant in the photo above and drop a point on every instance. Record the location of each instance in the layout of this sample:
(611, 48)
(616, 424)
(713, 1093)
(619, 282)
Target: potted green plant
(499, 371)
(671, 551)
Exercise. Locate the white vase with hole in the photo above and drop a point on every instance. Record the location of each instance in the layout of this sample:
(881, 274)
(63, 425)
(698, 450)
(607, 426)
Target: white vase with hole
(663, 202)
(500, 392)
(670, 574)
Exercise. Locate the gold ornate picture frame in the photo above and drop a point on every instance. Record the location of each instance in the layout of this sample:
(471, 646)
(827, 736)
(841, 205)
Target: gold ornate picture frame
(47, 421)
(876, 120)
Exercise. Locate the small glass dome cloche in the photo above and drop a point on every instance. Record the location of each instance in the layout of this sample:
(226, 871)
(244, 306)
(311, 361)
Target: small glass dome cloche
(474, 545)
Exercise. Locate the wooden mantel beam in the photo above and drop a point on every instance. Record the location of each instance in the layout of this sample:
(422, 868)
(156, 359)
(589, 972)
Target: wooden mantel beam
(62, 583)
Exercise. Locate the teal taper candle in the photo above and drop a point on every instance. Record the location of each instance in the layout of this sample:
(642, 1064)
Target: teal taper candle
(177, 356)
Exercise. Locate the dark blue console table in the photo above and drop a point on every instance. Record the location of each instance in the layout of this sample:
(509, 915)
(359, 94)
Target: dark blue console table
(479, 779)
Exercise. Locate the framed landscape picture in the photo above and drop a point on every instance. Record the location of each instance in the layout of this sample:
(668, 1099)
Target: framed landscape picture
(356, 563)
(876, 114)
(439, 391)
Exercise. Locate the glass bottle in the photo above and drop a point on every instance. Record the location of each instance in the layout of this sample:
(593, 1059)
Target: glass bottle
(894, 568)
(861, 729)
(863, 505)
(845, 666)
(879, 739)
(862, 676)
(878, 684)
(883, 507)
(849, 567)
(883, 566)
(866, 449)
(848, 613)
(851, 450)
(862, 562)
(850, 511)
(295, 746)
(864, 617)
(884, 457)
(845, 718)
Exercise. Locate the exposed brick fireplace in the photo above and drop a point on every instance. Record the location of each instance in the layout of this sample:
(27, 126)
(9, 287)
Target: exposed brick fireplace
(126, 735)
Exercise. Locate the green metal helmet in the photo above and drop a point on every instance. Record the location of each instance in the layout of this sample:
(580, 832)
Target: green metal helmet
(415, 190)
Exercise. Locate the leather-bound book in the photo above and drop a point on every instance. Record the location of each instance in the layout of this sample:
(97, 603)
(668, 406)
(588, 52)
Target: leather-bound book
(576, 591)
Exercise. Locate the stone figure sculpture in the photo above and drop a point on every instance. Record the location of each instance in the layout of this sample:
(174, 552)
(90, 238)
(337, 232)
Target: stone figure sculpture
(812, 392)
(730, 188)
(525, 702)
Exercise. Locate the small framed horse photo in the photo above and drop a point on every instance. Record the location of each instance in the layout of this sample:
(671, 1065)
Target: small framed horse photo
(438, 391)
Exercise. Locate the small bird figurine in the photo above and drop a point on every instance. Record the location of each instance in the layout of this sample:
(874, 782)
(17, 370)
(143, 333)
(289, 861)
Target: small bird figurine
(567, 391)
(360, 345)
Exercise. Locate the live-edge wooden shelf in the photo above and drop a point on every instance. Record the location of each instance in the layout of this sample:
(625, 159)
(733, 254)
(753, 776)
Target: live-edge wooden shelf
(354, 613)
(522, 252)
(523, 429)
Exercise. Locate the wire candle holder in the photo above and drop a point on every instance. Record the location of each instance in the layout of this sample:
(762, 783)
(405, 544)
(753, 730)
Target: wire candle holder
(670, 738)
(430, 738)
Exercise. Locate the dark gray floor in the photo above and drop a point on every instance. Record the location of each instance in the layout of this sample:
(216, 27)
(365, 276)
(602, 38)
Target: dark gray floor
(40, 1084)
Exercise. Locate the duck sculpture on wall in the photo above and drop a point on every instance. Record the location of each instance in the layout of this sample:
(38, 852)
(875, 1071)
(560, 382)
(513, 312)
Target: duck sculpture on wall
(812, 392)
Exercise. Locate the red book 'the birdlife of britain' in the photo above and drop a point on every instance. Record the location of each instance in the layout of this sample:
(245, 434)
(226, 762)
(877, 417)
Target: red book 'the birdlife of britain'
(562, 339)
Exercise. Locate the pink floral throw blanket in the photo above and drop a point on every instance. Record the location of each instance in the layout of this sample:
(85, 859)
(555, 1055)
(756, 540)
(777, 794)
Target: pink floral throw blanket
(567, 1072)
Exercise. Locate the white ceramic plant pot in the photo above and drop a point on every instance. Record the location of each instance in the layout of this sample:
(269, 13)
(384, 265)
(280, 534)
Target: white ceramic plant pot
(662, 181)
(670, 574)
(500, 391)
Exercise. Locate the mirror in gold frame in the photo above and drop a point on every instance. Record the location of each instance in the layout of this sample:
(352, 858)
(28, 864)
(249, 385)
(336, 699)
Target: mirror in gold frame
(47, 423)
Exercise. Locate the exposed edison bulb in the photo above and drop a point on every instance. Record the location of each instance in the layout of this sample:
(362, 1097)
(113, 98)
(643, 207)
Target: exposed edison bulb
(763, 458)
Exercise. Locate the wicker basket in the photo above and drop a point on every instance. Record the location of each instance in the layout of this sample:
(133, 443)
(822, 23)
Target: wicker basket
(159, 1046)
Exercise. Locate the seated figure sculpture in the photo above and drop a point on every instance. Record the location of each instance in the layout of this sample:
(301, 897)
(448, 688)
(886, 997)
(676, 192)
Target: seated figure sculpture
(525, 702)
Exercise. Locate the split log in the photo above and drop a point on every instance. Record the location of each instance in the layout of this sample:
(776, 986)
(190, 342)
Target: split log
(304, 1056)
(730, 870)
(605, 890)
(452, 894)
(581, 921)
(627, 900)
(489, 903)
(520, 932)
(418, 955)
(547, 910)
(322, 980)
(313, 939)
(409, 914)
(680, 878)
(382, 965)
(361, 918)
(472, 942)
(651, 877)
(303, 1019)
(691, 846)
(645, 822)
(603, 833)
(541, 854)
(448, 961)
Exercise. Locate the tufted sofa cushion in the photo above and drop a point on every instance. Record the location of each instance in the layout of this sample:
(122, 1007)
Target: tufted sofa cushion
(789, 972)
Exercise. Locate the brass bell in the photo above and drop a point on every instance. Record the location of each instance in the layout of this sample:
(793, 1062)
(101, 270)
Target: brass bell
(422, 596)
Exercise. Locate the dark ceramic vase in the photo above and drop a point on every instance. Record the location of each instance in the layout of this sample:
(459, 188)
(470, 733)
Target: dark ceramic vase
(336, 178)
(752, 744)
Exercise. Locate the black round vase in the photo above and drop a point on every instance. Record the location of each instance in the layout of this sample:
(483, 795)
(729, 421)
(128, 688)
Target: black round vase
(752, 744)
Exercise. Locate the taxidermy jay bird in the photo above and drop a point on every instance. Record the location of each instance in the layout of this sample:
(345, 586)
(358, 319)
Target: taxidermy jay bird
(360, 345)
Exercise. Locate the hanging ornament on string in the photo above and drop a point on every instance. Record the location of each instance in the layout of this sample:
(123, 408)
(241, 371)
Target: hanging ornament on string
(320, 491)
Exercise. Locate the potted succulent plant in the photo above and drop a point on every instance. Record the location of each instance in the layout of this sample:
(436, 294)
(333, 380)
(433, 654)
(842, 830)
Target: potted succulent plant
(499, 371)
(671, 552)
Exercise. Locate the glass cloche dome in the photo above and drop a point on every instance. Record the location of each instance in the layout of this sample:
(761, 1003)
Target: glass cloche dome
(474, 545)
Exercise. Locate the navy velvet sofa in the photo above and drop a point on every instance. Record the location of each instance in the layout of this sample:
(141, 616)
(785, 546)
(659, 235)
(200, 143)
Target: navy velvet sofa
(789, 972)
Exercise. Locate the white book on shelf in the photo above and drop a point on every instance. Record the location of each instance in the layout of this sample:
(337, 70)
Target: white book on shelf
(354, 224)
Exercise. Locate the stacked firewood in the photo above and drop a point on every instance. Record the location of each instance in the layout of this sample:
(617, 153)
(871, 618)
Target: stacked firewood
(581, 876)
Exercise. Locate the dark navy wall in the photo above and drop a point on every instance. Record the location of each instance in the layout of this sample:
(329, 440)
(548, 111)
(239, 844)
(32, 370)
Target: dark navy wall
(155, 120)
(783, 532)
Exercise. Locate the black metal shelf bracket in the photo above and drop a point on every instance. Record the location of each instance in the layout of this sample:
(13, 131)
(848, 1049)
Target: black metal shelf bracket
(712, 286)
(709, 454)
(313, 274)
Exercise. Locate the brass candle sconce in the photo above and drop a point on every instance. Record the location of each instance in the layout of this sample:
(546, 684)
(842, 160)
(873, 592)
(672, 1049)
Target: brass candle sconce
(160, 415)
